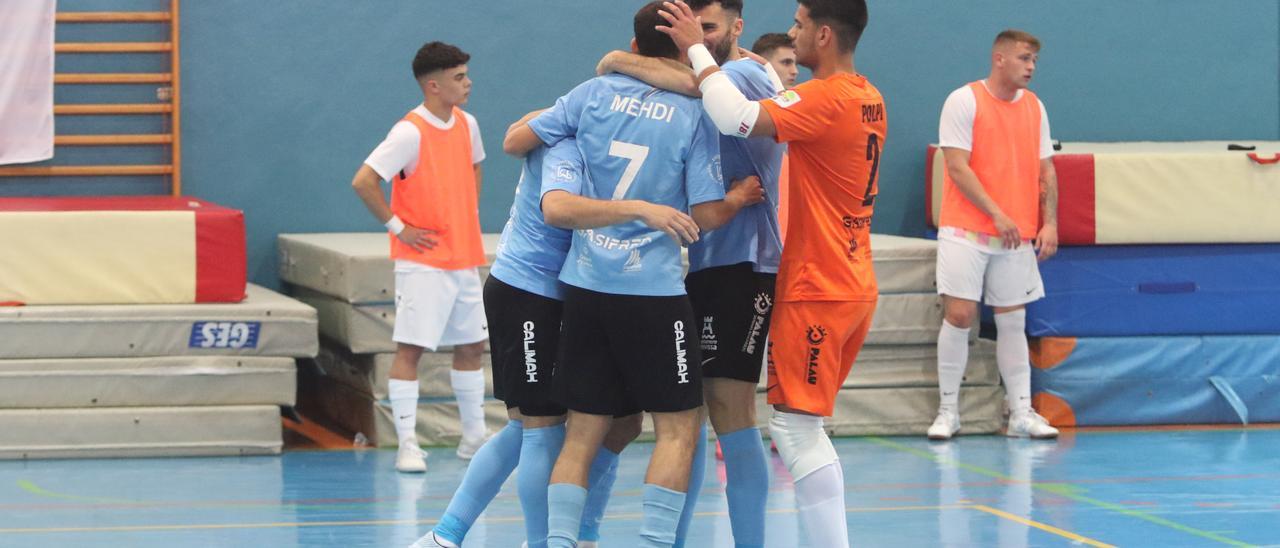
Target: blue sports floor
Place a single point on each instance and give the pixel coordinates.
(1125, 488)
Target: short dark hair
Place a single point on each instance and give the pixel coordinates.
(1014, 35)
(734, 6)
(847, 17)
(433, 56)
(649, 41)
(766, 43)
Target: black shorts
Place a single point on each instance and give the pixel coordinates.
(621, 354)
(524, 335)
(733, 305)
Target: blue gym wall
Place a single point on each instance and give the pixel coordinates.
(283, 99)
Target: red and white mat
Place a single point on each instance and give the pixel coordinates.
(1156, 193)
(120, 250)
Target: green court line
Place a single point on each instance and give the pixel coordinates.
(1064, 490)
(38, 491)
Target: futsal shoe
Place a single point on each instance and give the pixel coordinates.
(1028, 424)
(945, 425)
(429, 541)
(410, 458)
(467, 447)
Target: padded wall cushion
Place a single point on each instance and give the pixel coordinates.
(223, 430)
(354, 267)
(1159, 290)
(120, 250)
(266, 323)
(1145, 192)
(147, 382)
(1157, 380)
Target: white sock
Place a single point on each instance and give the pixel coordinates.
(1014, 359)
(953, 357)
(404, 407)
(820, 499)
(468, 388)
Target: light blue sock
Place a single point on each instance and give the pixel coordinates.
(564, 511)
(697, 474)
(490, 467)
(746, 470)
(604, 470)
(661, 514)
(537, 457)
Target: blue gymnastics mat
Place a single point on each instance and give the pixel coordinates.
(1157, 380)
(1110, 291)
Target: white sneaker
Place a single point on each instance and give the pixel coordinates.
(1028, 424)
(410, 458)
(428, 541)
(467, 447)
(945, 425)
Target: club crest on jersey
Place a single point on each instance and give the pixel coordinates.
(787, 98)
(565, 173)
(713, 169)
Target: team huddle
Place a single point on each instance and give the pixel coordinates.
(591, 318)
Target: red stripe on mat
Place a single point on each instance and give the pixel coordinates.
(1077, 198)
(221, 272)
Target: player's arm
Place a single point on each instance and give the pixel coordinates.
(660, 73)
(520, 138)
(1047, 239)
(967, 181)
(567, 210)
(731, 111)
(714, 214)
(367, 184)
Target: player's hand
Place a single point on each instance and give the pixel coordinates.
(752, 56)
(1007, 230)
(745, 192)
(417, 238)
(675, 223)
(1047, 242)
(685, 29)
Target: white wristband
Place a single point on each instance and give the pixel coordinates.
(395, 225)
(700, 58)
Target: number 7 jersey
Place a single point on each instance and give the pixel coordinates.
(639, 143)
(835, 129)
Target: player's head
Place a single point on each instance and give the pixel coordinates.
(1013, 57)
(441, 70)
(649, 41)
(721, 25)
(833, 26)
(780, 51)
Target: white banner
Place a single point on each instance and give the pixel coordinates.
(26, 80)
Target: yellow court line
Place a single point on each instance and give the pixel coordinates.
(1042, 526)
(510, 519)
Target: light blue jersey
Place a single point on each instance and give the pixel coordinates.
(531, 252)
(639, 143)
(752, 235)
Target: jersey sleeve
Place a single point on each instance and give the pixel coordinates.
(477, 144)
(1046, 140)
(561, 120)
(396, 152)
(955, 128)
(703, 181)
(563, 168)
(803, 112)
